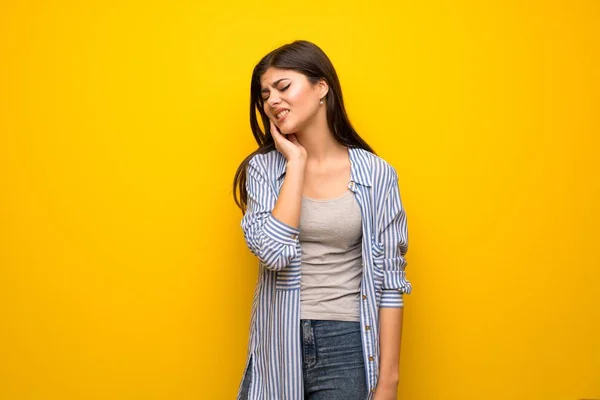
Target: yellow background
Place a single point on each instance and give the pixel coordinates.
(123, 270)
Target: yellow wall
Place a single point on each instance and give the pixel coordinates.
(123, 271)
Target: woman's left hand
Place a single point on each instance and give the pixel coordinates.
(386, 391)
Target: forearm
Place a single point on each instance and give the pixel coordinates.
(288, 204)
(390, 336)
(270, 223)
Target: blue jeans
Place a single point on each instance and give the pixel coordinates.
(332, 361)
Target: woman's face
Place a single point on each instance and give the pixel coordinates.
(291, 92)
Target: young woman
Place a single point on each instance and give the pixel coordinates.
(324, 217)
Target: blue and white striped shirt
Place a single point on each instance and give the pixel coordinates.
(274, 343)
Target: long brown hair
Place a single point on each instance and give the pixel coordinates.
(306, 58)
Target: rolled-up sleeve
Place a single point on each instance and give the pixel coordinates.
(394, 235)
(271, 240)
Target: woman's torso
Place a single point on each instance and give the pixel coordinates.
(331, 238)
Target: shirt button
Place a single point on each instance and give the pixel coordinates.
(367, 327)
(370, 358)
(351, 185)
(364, 296)
(294, 237)
(373, 390)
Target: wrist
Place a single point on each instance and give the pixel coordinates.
(295, 166)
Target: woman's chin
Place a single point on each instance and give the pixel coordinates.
(285, 130)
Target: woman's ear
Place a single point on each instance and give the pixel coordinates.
(323, 88)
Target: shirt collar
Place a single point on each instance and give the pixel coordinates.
(360, 166)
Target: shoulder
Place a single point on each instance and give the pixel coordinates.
(268, 164)
(382, 171)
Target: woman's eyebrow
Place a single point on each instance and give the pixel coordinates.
(273, 84)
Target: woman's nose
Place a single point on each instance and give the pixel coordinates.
(273, 100)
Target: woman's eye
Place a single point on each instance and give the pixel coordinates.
(283, 89)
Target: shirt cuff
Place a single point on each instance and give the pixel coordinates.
(396, 280)
(392, 299)
(280, 231)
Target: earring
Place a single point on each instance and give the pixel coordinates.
(321, 102)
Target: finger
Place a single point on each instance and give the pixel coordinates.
(275, 134)
(274, 130)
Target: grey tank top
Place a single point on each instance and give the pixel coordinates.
(331, 242)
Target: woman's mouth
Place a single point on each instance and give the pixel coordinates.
(281, 116)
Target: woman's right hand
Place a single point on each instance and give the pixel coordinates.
(288, 145)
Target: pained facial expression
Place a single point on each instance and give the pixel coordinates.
(291, 92)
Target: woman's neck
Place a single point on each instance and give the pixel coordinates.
(319, 142)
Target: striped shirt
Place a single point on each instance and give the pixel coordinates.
(274, 344)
